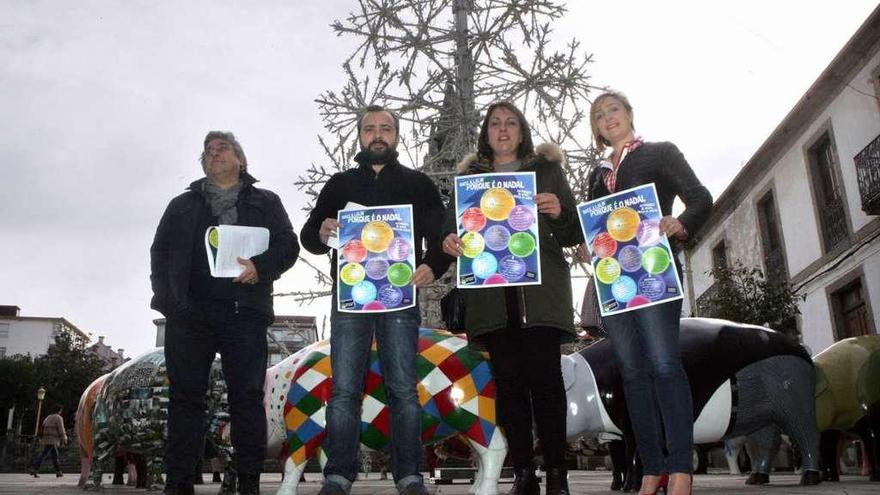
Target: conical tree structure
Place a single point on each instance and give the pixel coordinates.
(439, 63)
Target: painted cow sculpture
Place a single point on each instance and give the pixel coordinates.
(848, 399)
(125, 412)
(85, 427)
(744, 380)
(455, 390)
(85, 436)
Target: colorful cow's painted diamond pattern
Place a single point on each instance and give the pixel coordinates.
(455, 390)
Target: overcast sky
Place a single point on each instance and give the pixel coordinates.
(104, 106)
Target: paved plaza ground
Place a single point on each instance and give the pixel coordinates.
(581, 482)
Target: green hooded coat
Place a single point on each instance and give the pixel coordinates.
(550, 303)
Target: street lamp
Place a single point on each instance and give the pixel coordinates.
(41, 394)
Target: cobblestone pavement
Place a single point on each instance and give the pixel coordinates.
(581, 482)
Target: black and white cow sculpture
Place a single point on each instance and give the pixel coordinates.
(744, 379)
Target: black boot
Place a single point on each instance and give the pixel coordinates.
(525, 483)
(811, 477)
(178, 490)
(230, 482)
(758, 479)
(248, 484)
(557, 482)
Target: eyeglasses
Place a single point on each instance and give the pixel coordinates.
(220, 148)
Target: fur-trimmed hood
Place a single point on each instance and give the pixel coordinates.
(545, 154)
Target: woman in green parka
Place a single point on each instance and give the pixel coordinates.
(522, 327)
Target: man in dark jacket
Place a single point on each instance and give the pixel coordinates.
(205, 315)
(379, 179)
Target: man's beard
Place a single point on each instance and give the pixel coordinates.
(379, 157)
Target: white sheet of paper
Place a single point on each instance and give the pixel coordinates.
(333, 240)
(234, 241)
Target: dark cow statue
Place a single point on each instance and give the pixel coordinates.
(744, 379)
(847, 401)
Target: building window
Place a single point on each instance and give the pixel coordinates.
(4, 330)
(875, 79)
(851, 310)
(2, 352)
(771, 240)
(719, 255)
(828, 192)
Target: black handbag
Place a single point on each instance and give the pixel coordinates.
(452, 310)
(591, 317)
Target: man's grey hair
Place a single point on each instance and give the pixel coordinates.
(229, 138)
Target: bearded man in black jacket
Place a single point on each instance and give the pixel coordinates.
(379, 179)
(205, 315)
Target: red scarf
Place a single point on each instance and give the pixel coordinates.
(611, 176)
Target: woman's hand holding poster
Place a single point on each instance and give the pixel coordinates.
(498, 227)
(633, 265)
(376, 259)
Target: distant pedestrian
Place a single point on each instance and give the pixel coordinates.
(52, 436)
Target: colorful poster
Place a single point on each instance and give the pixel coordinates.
(376, 259)
(633, 265)
(498, 226)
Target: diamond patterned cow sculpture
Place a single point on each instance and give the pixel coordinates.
(455, 389)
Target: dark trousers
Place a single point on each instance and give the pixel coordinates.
(528, 376)
(48, 450)
(239, 335)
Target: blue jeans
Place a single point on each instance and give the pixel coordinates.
(351, 337)
(658, 395)
(48, 451)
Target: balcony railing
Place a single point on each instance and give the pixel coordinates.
(834, 224)
(868, 172)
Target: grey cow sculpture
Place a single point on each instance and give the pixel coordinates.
(744, 379)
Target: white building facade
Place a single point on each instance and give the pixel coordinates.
(806, 207)
(32, 335)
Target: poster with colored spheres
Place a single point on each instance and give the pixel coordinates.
(498, 227)
(376, 259)
(633, 265)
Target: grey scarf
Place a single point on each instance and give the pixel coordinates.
(222, 201)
